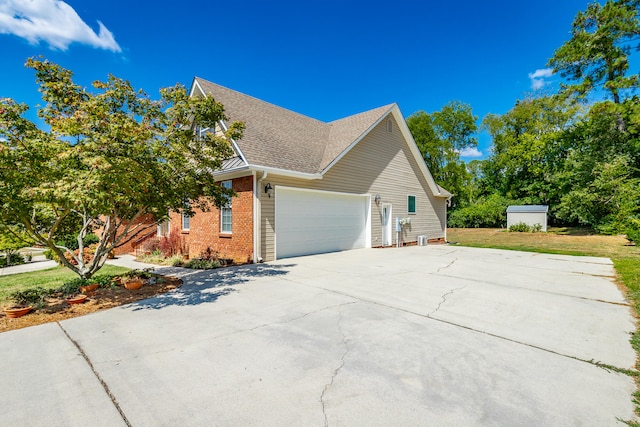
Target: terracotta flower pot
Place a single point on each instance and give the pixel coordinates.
(88, 289)
(15, 312)
(78, 299)
(133, 284)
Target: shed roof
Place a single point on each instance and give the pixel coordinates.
(528, 208)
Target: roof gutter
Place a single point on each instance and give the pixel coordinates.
(285, 172)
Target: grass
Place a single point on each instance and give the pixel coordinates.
(569, 241)
(48, 279)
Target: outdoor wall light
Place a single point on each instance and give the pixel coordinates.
(268, 189)
(377, 199)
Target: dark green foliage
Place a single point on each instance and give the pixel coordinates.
(202, 264)
(584, 162)
(141, 274)
(634, 235)
(73, 286)
(71, 242)
(597, 55)
(441, 136)
(48, 254)
(520, 227)
(34, 297)
(490, 211)
(105, 155)
(14, 258)
(37, 296)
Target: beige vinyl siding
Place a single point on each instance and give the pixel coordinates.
(381, 163)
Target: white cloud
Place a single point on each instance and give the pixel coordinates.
(538, 78)
(470, 152)
(53, 22)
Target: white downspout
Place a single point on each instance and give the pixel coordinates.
(257, 217)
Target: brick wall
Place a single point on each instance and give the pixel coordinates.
(204, 231)
(130, 247)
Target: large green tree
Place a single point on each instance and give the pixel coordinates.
(108, 158)
(441, 136)
(601, 174)
(529, 148)
(597, 55)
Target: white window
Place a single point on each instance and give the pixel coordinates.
(225, 212)
(163, 228)
(186, 221)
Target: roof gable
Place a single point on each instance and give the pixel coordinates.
(284, 140)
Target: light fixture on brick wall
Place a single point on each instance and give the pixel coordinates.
(268, 189)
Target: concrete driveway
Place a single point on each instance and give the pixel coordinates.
(437, 336)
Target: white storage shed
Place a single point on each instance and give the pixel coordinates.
(528, 214)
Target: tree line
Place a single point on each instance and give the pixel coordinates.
(577, 150)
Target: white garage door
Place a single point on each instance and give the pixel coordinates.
(313, 222)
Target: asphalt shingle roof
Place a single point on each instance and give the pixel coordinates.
(279, 138)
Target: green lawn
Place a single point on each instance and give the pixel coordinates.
(48, 279)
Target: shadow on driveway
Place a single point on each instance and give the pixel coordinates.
(204, 286)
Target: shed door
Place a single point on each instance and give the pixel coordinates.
(312, 222)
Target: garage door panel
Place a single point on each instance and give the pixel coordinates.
(309, 222)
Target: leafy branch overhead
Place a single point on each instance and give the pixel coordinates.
(597, 55)
(110, 158)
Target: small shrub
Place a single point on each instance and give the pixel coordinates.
(634, 236)
(173, 244)
(35, 297)
(520, 227)
(152, 258)
(141, 274)
(71, 241)
(209, 254)
(13, 259)
(91, 239)
(151, 245)
(202, 264)
(72, 286)
(49, 254)
(536, 228)
(175, 260)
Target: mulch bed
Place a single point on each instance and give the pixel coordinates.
(101, 299)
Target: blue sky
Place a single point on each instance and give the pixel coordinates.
(326, 60)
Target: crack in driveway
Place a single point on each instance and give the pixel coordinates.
(97, 375)
(448, 322)
(444, 299)
(337, 370)
(448, 265)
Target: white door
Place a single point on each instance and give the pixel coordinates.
(386, 224)
(312, 222)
